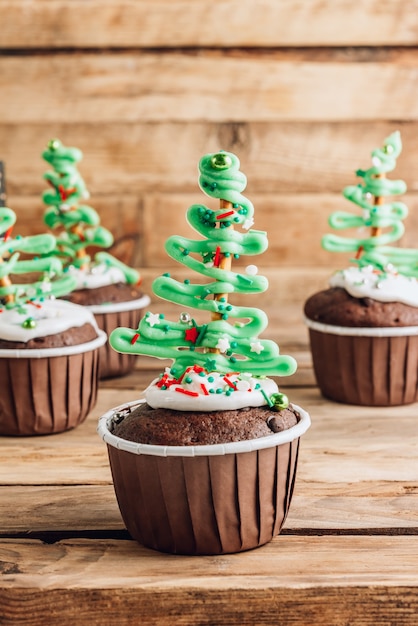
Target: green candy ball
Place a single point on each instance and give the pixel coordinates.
(221, 161)
(54, 144)
(280, 400)
(29, 323)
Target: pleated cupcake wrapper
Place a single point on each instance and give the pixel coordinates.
(48, 394)
(373, 368)
(109, 317)
(211, 499)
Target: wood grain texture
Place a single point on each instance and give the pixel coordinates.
(163, 23)
(211, 85)
(129, 159)
(270, 584)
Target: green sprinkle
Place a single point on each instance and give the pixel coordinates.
(267, 399)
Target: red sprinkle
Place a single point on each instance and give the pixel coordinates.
(191, 334)
(220, 217)
(134, 338)
(217, 257)
(38, 306)
(205, 391)
(359, 251)
(162, 381)
(7, 233)
(65, 193)
(228, 382)
(186, 391)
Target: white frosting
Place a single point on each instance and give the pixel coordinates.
(366, 283)
(50, 317)
(210, 392)
(98, 275)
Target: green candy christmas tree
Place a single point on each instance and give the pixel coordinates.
(383, 217)
(52, 283)
(223, 355)
(78, 224)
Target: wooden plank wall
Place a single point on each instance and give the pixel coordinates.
(300, 90)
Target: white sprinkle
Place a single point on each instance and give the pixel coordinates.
(251, 270)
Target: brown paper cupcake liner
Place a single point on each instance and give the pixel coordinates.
(47, 395)
(112, 363)
(366, 370)
(209, 503)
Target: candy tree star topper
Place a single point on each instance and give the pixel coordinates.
(229, 341)
(13, 295)
(79, 223)
(382, 216)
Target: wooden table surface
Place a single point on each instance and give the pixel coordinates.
(348, 553)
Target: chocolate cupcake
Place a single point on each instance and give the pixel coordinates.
(49, 349)
(206, 464)
(364, 328)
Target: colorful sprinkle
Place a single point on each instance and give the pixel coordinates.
(227, 214)
(267, 399)
(186, 392)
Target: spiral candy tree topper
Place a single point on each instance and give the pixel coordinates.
(383, 217)
(79, 223)
(227, 347)
(18, 296)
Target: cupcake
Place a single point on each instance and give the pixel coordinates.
(206, 462)
(49, 348)
(364, 328)
(109, 288)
